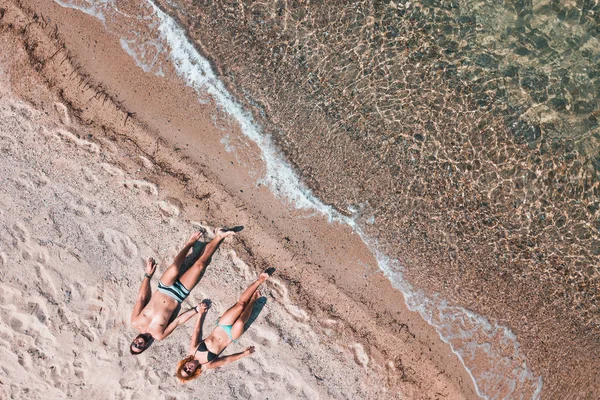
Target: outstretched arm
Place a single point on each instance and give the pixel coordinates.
(181, 319)
(145, 292)
(197, 335)
(219, 362)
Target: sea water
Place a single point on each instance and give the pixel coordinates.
(461, 143)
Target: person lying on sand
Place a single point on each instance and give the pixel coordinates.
(153, 315)
(205, 354)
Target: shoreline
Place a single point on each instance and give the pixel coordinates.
(302, 246)
(449, 201)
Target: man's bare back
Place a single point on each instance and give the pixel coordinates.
(155, 315)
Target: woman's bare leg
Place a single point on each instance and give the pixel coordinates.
(238, 326)
(191, 277)
(229, 316)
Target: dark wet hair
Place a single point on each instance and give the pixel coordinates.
(146, 337)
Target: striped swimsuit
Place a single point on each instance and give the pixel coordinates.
(176, 291)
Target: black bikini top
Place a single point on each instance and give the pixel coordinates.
(210, 356)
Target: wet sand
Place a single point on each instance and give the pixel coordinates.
(107, 165)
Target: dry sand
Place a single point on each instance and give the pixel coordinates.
(103, 166)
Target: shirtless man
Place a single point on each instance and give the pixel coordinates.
(153, 313)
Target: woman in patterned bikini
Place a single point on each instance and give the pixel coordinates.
(206, 354)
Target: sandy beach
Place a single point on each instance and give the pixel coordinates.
(104, 165)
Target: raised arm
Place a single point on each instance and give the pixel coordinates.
(219, 362)
(181, 319)
(197, 334)
(145, 291)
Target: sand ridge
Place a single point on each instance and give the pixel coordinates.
(113, 201)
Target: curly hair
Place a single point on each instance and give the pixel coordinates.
(179, 372)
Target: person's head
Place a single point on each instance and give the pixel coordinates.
(188, 369)
(140, 344)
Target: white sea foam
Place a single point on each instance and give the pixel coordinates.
(89, 7)
(145, 55)
(489, 352)
(198, 74)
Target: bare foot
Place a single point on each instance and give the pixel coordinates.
(195, 237)
(223, 233)
(266, 274)
(255, 296)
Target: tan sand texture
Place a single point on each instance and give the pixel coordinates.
(90, 189)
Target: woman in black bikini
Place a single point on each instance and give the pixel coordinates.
(205, 354)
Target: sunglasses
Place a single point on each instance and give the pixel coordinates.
(189, 370)
(139, 346)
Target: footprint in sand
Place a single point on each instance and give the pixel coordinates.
(108, 146)
(63, 113)
(78, 365)
(27, 318)
(112, 170)
(267, 336)
(240, 265)
(119, 243)
(143, 185)
(38, 310)
(22, 240)
(299, 314)
(74, 324)
(47, 287)
(146, 162)
(23, 110)
(32, 182)
(7, 144)
(171, 207)
(71, 137)
(140, 184)
(360, 355)
(329, 326)
(78, 204)
(21, 234)
(16, 325)
(152, 377)
(42, 255)
(89, 175)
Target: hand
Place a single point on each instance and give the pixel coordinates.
(150, 266)
(195, 237)
(201, 308)
(249, 350)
